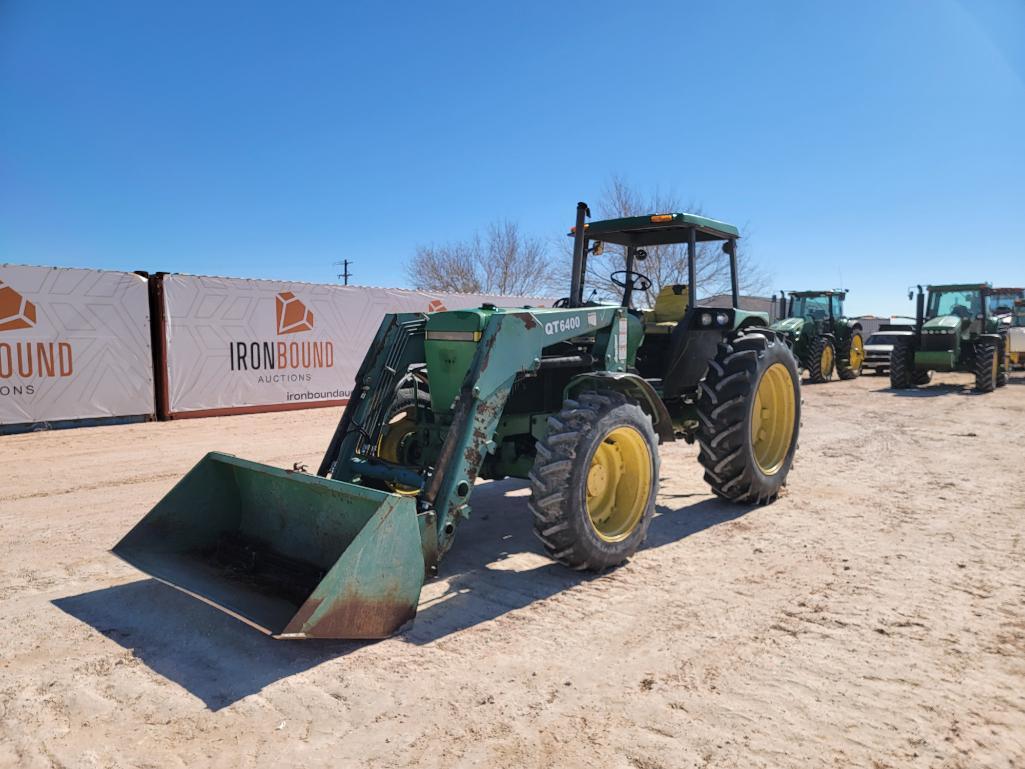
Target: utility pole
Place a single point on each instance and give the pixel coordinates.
(344, 275)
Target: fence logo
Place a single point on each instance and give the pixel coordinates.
(436, 305)
(24, 361)
(293, 316)
(277, 357)
(15, 310)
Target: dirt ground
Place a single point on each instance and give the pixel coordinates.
(873, 617)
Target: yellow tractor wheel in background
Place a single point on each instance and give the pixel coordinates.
(850, 367)
(821, 360)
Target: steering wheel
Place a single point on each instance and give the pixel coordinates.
(637, 281)
(560, 303)
(960, 311)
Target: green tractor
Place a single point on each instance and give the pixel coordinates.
(824, 340)
(954, 331)
(575, 398)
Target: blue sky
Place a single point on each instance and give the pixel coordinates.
(881, 143)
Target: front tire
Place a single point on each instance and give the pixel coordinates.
(853, 357)
(821, 360)
(987, 367)
(902, 365)
(594, 481)
(399, 440)
(749, 411)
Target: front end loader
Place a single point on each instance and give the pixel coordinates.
(954, 331)
(576, 399)
(823, 339)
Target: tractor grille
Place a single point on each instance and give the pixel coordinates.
(938, 342)
(384, 389)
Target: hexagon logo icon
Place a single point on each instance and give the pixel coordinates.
(436, 305)
(293, 316)
(15, 310)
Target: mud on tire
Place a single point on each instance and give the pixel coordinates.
(559, 480)
(726, 409)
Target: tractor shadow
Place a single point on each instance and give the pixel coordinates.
(933, 391)
(221, 660)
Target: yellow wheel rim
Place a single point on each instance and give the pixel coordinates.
(826, 362)
(619, 484)
(394, 442)
(857, 352)
(773, 418)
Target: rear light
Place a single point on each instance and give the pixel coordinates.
(662, 218)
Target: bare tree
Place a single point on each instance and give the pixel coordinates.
(666, 264)
(504, 261)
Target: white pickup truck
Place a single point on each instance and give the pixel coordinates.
(880, 344)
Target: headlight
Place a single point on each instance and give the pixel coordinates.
(722, 319)
(706, 319)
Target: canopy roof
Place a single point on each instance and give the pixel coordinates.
(960, 287)
(659, 229)
(1006, 291)
(840, 292)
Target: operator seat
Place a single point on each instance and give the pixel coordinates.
(670, 307)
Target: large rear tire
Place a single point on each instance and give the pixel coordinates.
(594, 481)
(749, 411)
(902, 365)
(853, 357)
(821, 360)
(987, 367)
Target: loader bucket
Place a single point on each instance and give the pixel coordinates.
(294, 555)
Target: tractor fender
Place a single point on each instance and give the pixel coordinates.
(989, 339)
(854, 325)
(633, 386)
(753, 322)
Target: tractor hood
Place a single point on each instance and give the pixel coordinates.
(789, 326)
(949, 323)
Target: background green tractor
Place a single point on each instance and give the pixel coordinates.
(576, 399)
(823, 339)
(954, 331)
